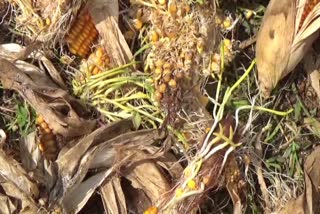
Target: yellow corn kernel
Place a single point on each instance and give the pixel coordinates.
(151, 210)
(99, 52)
(44, 125)
(162, 2)
(137, 23)
(227, 23)
(81, 35)
(172, 7)
(39, 119)
(179, 192)
(158, 71)
(192, 184)
(154, 36)
(95, 71)
(248, 14)
(172, 83)
(227, 43)
(48, 21)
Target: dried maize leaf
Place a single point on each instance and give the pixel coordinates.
(113, 196)
(274, 42)
(284, 38)
(12, 172)
(26, 204)
(6, 205)
(76, 199)
(29, 152)
(63, 113)
(74, 163)
(147, 176)
(105, 15)
(13, 51)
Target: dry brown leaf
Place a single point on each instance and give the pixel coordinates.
(312, 65)
(113, 197)
(105, 16)
(17, 53)
(309, 201)
(74, 164)
(26, 203)
(75, 200)
(282, 42)
(11, 170)
(63, 113)
(38, 168)
(146, 175)
(29, 152)
(274, 43)
(6, 205)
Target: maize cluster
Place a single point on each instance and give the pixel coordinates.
(47, 144)
(82, 35)
(180, 52)
(310, 4)
(96, 62)
(165, 78)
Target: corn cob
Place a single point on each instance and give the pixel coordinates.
(47, 144)
(82, 35)
(307, 9)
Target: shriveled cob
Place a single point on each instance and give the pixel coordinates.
(82, 35)
(47, 144)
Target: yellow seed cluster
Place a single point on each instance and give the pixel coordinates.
(47, 144)
(192, 185)
(223, 22)
(307, 9)
(164, 78)
(96, 62)
(82, 35)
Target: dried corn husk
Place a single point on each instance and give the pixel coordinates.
(283, 40)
